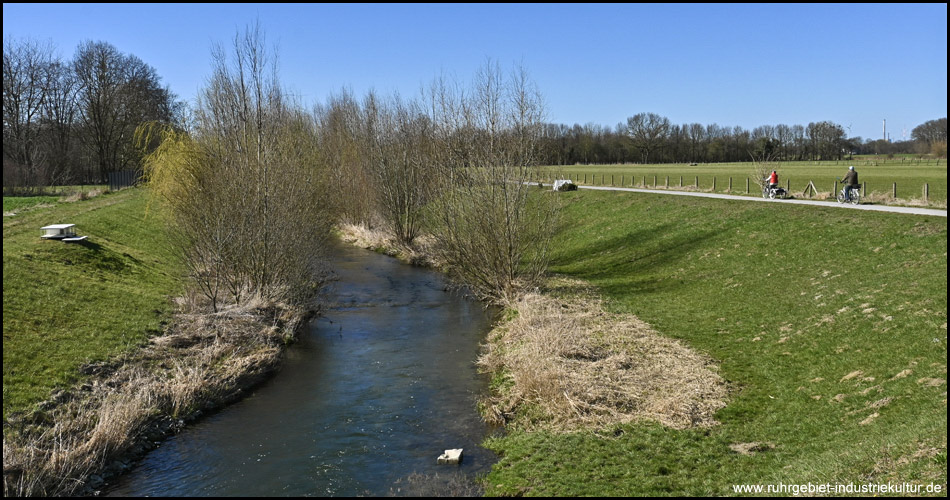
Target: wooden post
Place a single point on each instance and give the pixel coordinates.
(611, 179)
(681, 181)
(926, 191)
(746, 185)
(696, 184)
(730, 184)
(894, 191)
(714, 184)
(621, 181)
(667, 185)
(788, 186)
(654, 182)
(834, 192)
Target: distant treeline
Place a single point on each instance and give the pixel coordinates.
(73, 121)
(650, 138)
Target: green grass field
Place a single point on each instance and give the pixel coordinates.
(16, 204)
(879, 176)
(829, 324)
(69, 304)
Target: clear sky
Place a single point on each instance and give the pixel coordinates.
(729, 64)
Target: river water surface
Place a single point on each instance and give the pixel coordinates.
(374, 392)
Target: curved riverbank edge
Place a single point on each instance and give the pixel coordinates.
(561, 363)
(73, 443)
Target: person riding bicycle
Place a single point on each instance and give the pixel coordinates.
(850, 181)
(773, 180)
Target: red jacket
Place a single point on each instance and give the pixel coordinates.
(773, 179)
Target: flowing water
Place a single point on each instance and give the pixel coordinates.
(379, 387)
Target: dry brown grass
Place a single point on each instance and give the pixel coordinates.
(886, 198)
(204, 361)
(568, 365)
(83, 195)
(376, 238)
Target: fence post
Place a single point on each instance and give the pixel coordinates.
(696, 183)
(681, 181)
(611, 179)
(714, 184)
(667, 186)
(834, 192)
(926, 191)
(788, 186)
(730, 184)
(621, 181)
(746, 185)
(654, 182)
(894, 191)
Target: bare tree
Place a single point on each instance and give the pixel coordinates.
(118, 92)
(493, 231)
(58, 119)
(25, 63)
(339, 127)
(399, 155)
(649, 132)
(247, 189)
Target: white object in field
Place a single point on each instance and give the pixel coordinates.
(59, 231)
(564, 185)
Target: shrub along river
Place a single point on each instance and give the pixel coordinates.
(381, 385)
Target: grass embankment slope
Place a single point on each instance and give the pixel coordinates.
(829, 324)
(69, 304)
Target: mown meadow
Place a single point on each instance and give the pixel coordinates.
(65, 304)
(879, 177)
(829, 325)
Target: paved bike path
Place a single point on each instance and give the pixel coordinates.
(877, 208)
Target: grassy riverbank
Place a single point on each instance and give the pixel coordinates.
(828, 324)
(69, 304)
(98, 363)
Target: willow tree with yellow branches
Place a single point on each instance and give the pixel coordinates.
(245, 188)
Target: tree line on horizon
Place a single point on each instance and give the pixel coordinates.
(73, 121)
(651, 138)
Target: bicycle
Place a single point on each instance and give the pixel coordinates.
(772, 193)
(854, 198)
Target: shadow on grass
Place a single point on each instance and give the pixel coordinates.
(636, 262)
(89, 255)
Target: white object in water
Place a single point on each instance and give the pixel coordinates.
(451, 456)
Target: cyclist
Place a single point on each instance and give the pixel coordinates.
(773, 180)
(851, 182)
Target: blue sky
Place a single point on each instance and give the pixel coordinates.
(730, 64)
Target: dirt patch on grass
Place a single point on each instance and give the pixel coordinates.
(749, 449)
(564, 364)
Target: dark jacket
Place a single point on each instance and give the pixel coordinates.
(851, 178)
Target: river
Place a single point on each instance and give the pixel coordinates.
(381, 384)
